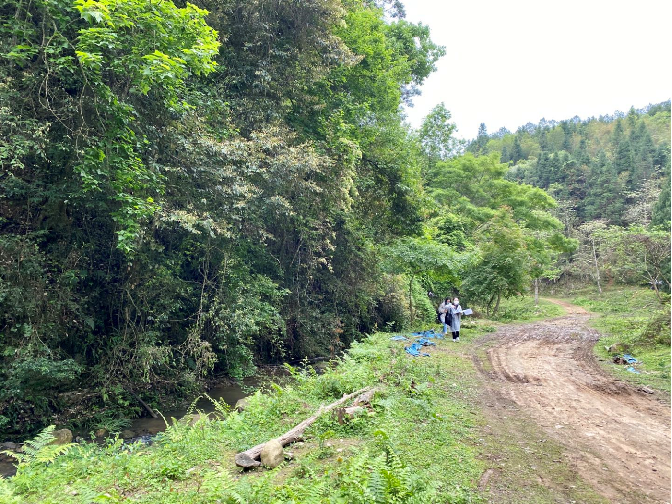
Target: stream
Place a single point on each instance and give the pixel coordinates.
(144, 428)
(229, 393)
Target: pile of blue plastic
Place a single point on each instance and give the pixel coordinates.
(630, 360)
(422, 339)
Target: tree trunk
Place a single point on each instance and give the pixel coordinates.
(249, 458)
(497, 305)
(597, 269)
(536, 292)
(149, 410)
(489, 305)
(410, 297)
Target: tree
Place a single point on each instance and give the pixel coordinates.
(502, 270)
(478, 146)
(660, 214)
(544, 247)
(436, 136)
(413, 257)
(517, 151)
(590, 239)
(636, 254)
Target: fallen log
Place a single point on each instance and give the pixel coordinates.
(348, 413)
(149, 410)
(364, 398)
(249, 458)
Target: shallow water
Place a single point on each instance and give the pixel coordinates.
(230, 393)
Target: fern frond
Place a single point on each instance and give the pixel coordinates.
(18, 456)
(49, 453)
(235, 497)
(192, 406)
(6, 494)
(314, 494)
(32, 447)
(221, 407)
(377, 487)
(40, 450)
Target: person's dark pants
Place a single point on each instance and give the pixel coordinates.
(456, 334)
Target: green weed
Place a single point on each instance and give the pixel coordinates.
(633, 321)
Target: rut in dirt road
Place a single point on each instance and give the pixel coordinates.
(616, 437)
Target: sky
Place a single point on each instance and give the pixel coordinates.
(512, 62)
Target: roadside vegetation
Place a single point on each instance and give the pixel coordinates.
(415, 444)
(424, 437)
(420, 441)
(636, 322)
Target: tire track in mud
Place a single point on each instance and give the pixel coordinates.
(615, 437)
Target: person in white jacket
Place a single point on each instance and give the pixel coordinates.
(456, 316)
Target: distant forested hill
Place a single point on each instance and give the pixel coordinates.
(615, 167)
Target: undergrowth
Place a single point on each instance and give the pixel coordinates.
(413, 445)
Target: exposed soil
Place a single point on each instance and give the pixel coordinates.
(614, 439)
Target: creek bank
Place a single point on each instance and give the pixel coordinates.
(144, 429)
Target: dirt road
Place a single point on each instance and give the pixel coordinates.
(615, 439)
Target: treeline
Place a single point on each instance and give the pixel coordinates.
(611, 179)
(188, 192)
(613, 168)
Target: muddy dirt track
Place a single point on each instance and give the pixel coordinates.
(615, 437)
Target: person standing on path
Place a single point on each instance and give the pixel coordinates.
(444, 311)
(455, 312)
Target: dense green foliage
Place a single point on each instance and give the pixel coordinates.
(189, 190)
(611, 179)
(612, 168)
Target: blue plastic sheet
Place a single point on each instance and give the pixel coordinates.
(399, 338)
(425, 342)
(629, 359)
(414, 350)
(428, 334)
(633, 370)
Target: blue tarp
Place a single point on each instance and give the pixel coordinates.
(425, 342)
(428, 334)
(414, 350)
(629, 359)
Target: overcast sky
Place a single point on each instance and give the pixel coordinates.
(513, 62)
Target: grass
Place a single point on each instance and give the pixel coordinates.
(522, 309)
(416, 444)
(632, 320)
